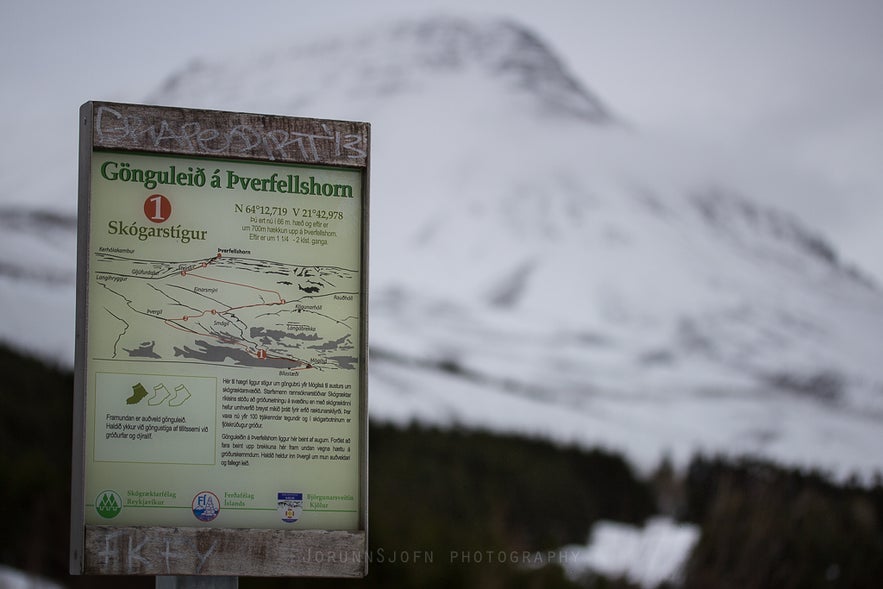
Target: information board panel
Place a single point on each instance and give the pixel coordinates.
(221, 344)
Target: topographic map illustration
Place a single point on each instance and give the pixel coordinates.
(235, 311)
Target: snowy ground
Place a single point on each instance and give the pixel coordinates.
(647, 556)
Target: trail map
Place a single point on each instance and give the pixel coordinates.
(230, 310)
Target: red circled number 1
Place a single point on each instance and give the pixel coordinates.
(157, 208)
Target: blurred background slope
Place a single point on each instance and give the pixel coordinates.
(544, 265)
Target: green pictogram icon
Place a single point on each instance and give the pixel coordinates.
(108, 504)
(161, 394)
(139, 392)
(181, 395)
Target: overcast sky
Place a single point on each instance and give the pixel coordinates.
(789, 92)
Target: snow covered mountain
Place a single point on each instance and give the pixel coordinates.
(539, 266)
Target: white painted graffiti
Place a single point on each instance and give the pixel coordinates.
(114, 128)
(120, 553)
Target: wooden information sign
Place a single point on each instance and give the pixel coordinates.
(220, 420)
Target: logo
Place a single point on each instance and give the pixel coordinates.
(290, 506)
(157, 208)
(206, 506)
(108, 504)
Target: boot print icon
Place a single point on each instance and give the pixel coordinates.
(138, 393)
(181, 396)
(160, 395)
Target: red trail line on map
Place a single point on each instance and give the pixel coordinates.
(240, 342)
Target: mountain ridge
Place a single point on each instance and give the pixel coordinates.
(396, 58)
(538, 267)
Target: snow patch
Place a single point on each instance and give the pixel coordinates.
(647, 556)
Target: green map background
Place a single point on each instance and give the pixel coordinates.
(214, 210)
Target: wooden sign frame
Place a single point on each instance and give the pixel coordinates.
(211, 148)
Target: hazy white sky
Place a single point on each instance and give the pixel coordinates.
(789, 93)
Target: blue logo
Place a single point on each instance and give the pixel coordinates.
(290, 506)
(206, 506)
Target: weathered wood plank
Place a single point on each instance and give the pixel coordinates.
(235, 135)
(224, 552)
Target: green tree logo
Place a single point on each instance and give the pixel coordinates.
(108, 504)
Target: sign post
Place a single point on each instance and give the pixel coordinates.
(220, 420)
